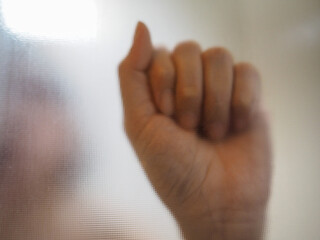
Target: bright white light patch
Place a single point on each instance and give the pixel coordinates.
(51, 19)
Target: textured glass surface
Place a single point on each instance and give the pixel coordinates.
(66, 167)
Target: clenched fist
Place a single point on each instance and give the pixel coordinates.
(195, 123)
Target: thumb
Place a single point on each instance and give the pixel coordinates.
(136, 95)
(140, 53)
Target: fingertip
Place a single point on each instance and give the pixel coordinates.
(141, 29)
(141, 50)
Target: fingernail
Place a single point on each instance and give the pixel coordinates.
(217, 131)
(167, 102)
(188, 120)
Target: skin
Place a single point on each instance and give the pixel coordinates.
(196, 124)
(194, 119)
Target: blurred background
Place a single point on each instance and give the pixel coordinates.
(83, 42)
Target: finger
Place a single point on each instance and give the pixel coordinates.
(246, 95)
(137, 100)
(187, 59)
(218, 80)
(162, 81)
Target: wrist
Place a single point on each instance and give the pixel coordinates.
(232, 225)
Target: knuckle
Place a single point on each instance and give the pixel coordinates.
(163, 73)
(218, 54)
(247, 69)
(187, 47)
(161, 52)
(244, 66)
(191, 75)
(247, 82)
(190, 94)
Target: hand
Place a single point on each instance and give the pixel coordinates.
(195, 122)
